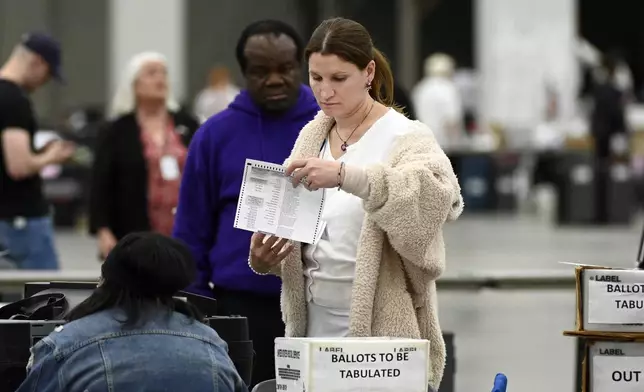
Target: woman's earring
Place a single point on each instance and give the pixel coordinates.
(368, 86)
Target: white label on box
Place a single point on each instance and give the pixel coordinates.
(618, 374)
(615, 302)
(369, 366)
(290, 363)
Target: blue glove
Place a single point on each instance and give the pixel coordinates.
(500, 383)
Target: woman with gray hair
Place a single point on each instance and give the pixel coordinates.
(139, 156)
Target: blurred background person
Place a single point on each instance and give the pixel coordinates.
(620, 75)
(217, 96)
(593, 63)
(437, 100)
(467, 84)
(262, 123)
(608, 128)
(623, 75)
(548, 134)
(131, 334)
(26, 232)
(140, 156)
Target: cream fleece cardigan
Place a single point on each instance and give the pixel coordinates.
(401, 251)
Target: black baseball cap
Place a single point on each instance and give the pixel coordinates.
(48, 48)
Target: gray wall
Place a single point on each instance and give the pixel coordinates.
(81, 27)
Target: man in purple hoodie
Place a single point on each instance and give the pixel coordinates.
(262, 123)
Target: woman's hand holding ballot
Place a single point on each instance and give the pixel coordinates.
(267, 252)
(316, 173)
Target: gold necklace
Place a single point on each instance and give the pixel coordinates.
(345, 145)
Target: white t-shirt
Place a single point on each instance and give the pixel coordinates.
(329, 266)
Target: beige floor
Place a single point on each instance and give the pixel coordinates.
(517, 332)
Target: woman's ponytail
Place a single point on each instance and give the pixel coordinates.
(382, 86)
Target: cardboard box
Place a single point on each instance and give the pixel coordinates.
(609, 300)
(614, 366)
(637, 143)
(351, 364)
(579, 143)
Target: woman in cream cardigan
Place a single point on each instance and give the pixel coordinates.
(389, 190)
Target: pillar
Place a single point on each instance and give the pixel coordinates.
(147, 25)
(407, 42)
(522, 47)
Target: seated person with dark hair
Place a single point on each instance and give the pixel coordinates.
(131, 334)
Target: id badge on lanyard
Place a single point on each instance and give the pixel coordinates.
(168, 163)
(169, 168)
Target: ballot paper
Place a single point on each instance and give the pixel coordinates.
(268, 203)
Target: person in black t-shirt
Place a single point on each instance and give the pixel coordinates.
(25, 226)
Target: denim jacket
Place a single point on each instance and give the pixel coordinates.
(167, 353)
